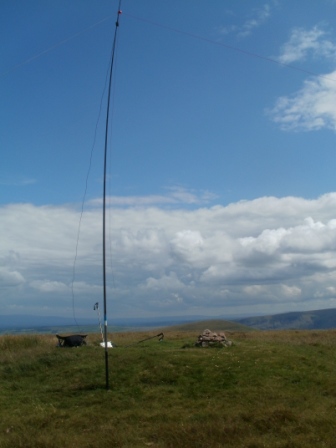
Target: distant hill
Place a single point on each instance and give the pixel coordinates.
(29, 321)
(306, 320)
(53, 324)
(23, 322)
(216, 325)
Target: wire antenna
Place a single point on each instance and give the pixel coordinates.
(84, 198)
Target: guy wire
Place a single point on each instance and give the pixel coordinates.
(85, 192)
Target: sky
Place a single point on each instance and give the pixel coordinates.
(221, 189)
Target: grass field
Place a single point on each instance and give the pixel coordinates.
(270, 389)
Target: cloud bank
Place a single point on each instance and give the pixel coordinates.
(262, 256)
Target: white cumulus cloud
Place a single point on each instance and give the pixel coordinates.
(311, 108)
(260, 16)
(303, 43)
(9, 278)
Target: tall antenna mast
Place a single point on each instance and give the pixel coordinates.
(104, 194)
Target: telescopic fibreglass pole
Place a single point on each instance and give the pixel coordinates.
(104, 196)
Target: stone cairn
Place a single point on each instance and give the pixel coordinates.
(209, 338)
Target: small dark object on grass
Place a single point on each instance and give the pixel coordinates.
(75, 340)
(160, 336)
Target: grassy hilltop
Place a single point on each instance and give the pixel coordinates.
(270, 389)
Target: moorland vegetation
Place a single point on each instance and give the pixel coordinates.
(269, 389)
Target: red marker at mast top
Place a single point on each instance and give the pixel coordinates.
(119, 12)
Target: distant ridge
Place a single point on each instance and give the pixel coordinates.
(306, 320)
(216, 325)
(17, 321)
(29, 321)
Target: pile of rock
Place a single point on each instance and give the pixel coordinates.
(209, 338)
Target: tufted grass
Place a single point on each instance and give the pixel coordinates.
(270, 389)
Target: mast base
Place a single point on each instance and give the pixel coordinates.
(109, 344)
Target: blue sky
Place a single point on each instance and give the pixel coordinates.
(221, 156)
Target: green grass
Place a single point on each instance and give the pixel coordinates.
(270, 389)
